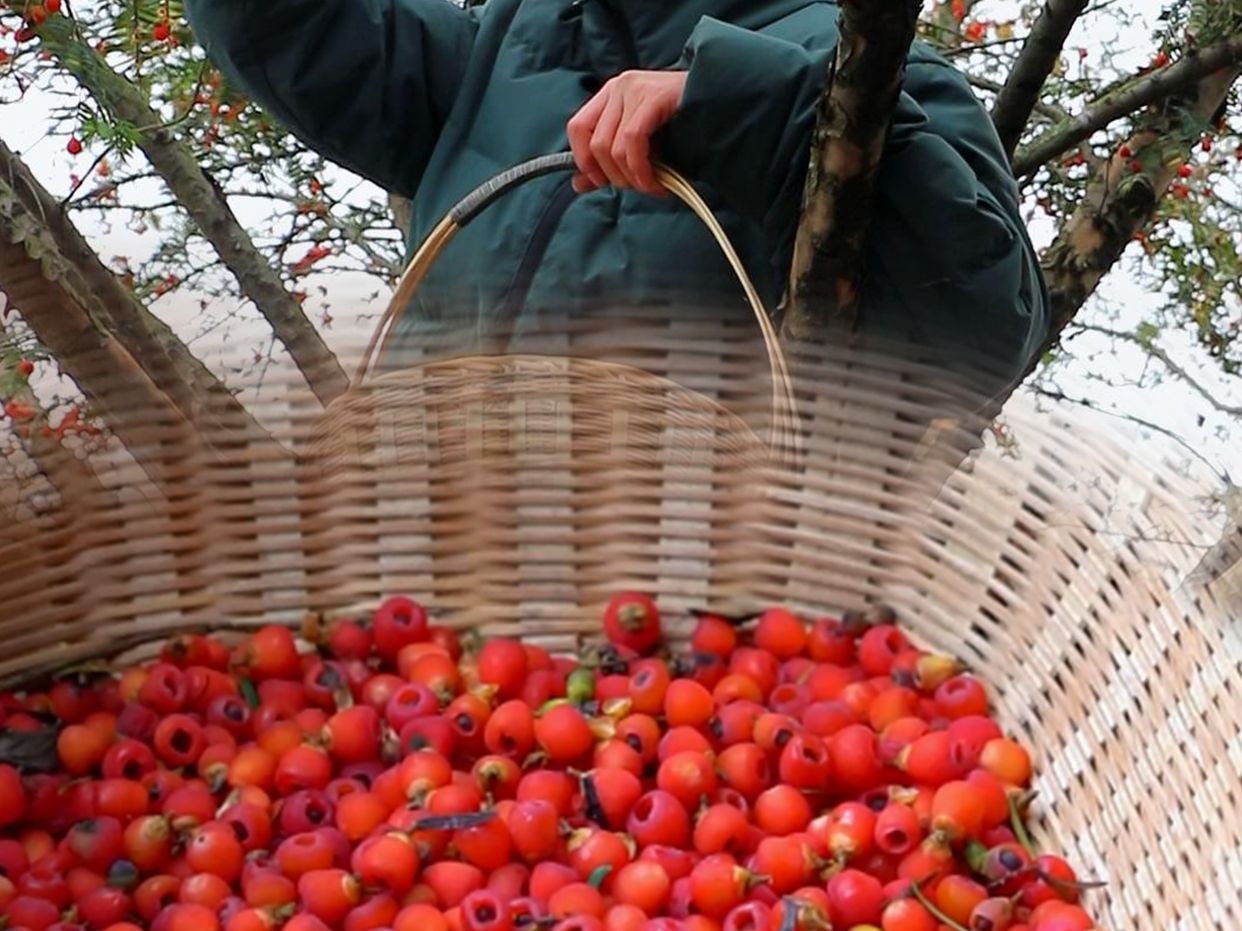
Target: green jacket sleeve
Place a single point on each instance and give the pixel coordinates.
(368, 83)
(947, 241)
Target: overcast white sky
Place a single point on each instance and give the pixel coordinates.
(1171, 405)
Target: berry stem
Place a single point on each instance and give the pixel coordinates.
(1020, 830)
(933, 910)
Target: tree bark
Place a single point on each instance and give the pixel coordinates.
(852, 125)
(203, 201)
(1019, 97)
(402, 212)
(199, 395)
(1120, 201)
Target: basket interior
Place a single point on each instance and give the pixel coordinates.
(1056, 572)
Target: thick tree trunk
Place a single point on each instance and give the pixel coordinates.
(203, 201)
(851, 128)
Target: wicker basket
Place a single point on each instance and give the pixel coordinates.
(518, 518)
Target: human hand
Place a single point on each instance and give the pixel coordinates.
(611, 135)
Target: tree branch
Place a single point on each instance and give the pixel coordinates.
(198, 394)
(1197, 65)
(1121, 198)
(852, 125)
(51, 298)
(1053, 394)
(401, 212)
(1020, 95)
(206, 205)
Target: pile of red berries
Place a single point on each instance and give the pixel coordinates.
(779, 776)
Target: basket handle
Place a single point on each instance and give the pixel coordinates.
(783, 438)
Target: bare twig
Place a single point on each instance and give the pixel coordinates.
(1174, 368)
(1044, 109)
(1053, 394)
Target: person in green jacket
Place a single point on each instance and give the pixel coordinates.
(428, 99)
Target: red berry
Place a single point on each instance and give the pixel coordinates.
(780, 633)
(272, 653)
(353, 735)
(855, 898)
(563, 734)
(782, 810)
(632, 620)
(713, 634)
(957, 811)
(898, 829)
(483, 910)
(179, 740)
(855, 761)
(214, 848)
(962, 696)
(879, 647)
(504, 664)
(642, 884)
(328, 894)
(12, 796)
(659, 818)
(349, 640)
(718, 885)
(398, 622)
(534, 827)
